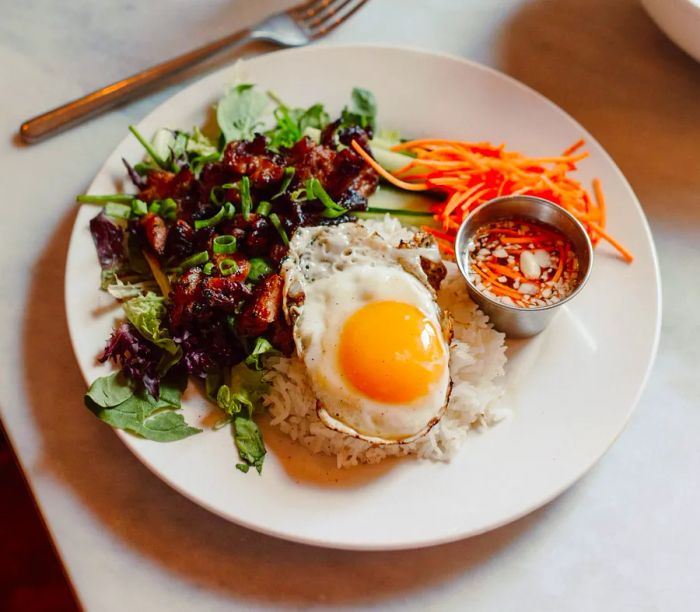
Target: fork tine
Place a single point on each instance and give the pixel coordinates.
(326, 27)
(307, 10)
(332, 8)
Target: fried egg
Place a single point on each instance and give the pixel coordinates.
(369, 331)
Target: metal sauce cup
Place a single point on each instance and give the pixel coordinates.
(519, 322)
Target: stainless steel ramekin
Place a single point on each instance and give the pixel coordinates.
(514, 321)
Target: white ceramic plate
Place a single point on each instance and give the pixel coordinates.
(571, 389)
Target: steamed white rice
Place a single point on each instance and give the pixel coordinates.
(477, 360)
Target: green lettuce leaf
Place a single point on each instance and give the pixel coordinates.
(239, 113)
(362, 110)
(250, 444)
(292, 122)
(239, 400)
(262, 347)
(146, 313)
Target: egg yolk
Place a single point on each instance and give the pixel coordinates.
(390, 352)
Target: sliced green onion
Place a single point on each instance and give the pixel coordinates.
(229, 186)
(103, 199)
(149, 149)
(211, 221)
(309, 187)
(289, 172)
(214, 195)
(138, 207)
(195, 260)
(198, 162)
(399, 211)
(297, 194)
(264, 208)
(258, 268)
(275, 220)
(225, 244)
(168, 209)
(117, 211)
(246, 200)
(208, 268)
(154, 207)
(229, 210)
(228, 266)
(332, 209)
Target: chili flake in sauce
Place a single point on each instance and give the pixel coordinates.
(522, 262)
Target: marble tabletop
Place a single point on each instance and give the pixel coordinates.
(626, 537)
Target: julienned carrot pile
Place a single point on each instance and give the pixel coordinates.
(470, 174)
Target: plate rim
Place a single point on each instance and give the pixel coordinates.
(421, 542)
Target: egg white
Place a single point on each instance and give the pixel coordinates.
(332, 273)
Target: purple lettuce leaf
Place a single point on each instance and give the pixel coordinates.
(138, 358)
(108, 237)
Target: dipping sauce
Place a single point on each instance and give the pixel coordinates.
(521, 262)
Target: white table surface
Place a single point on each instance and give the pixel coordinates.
(627, 537)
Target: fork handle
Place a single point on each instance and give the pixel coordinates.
(98, 101)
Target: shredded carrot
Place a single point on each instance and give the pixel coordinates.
(600, 199)
(505, 270)
(497, 287)
(468, 174)
(438, 234)
(563, 256)
(386, 175)
(605, 236)
(574, 147)
(158, 274)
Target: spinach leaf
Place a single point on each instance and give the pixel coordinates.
(262, 347)
(109, 390)
(250, 444)
(239, 112)
(140, 413)
(145, 313)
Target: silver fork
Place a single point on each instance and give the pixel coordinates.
(295, 27)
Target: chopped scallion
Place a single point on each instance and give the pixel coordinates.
(332, 209)
(258, 268)
(227, 267)
(168, 209)
(149, 149)
(246, 200)
(225, 244)
(286, 181)
(138, 207)
(264, 208)
(211, 221)
(309, 187)
(117, 211)
(124, 198)
(275, 220)
(195, 260)
(208, 268)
